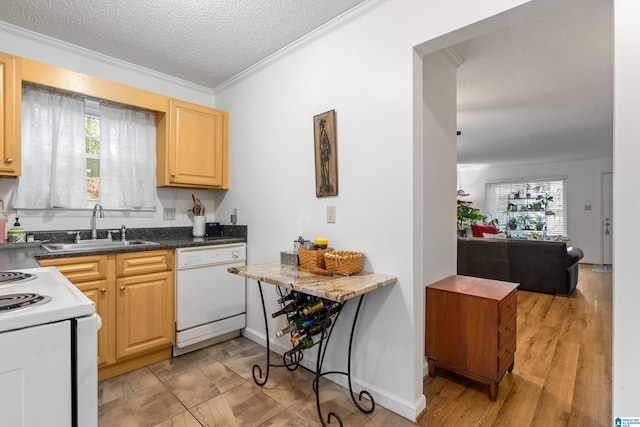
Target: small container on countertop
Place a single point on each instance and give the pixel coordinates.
(16, 234)
(321, 243)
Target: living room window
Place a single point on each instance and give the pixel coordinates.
(543, 199)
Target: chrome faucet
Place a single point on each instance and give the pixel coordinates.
(94, 232)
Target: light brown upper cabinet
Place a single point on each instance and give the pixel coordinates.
(10, 100)
(193, 146)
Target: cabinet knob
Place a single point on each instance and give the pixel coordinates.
(122, 288)
(173, 174)
(9, 160)
(103, 290)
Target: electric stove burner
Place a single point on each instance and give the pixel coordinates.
(13, 302)
(11, 277)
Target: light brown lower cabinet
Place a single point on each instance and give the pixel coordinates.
(134, 296)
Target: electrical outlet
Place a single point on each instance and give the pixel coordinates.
(169, 214)
(331, 214)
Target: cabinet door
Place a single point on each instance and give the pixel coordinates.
(198, 146)
(97, 291)
(10, 108)
(145, 313)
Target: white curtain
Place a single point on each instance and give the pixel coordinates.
(53, 150)
(127, 158)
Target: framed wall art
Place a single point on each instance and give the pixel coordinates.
(326, 154)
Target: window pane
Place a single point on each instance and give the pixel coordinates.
(92, 126)
(93, 179)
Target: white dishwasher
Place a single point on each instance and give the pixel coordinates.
(210, 302)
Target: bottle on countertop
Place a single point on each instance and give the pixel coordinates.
(16, 233)
(3, 223)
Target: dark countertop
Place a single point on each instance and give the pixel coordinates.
(15, 256)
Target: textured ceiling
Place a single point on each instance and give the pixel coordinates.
(202, 41)
(540, 91)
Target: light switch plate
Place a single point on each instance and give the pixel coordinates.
(169, 214)
(331, 214)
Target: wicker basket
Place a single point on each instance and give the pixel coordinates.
(344, 262)
(311, 259)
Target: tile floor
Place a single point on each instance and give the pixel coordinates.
(214, 387)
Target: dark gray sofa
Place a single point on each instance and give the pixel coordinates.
(540, 266)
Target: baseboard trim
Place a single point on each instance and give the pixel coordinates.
(390, 401)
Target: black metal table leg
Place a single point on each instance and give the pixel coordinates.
(266, 333)
(362, 392)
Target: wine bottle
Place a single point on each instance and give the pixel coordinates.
(305, 342)
(289, 328)
(313, 307)
(311, 330)
(317, 327)
(289, 308)
(288, 297)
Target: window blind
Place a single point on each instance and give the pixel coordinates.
(498, 194)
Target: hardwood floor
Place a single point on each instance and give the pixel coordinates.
(562, 373)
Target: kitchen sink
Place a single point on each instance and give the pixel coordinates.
(88, 245)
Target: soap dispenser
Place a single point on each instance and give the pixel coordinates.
(16, 233)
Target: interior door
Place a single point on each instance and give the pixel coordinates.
(607, 218)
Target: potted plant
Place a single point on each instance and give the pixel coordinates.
(538, 222)
(525, 222)
(467, 215)
(544, 200)
(512, 224)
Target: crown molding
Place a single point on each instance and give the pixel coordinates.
(315, 35)
(90, 54)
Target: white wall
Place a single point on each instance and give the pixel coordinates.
(583, 188)
(40, 48)
(365, 71)
(626, 245)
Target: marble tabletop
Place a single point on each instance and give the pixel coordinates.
(334, 288)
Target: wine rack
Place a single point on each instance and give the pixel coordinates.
(306, 296)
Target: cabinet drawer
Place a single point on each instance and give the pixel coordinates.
(506, 356)
(508, 308)
(80, 269)
(134, 263)
(507, 332)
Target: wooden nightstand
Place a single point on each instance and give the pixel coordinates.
(470, 328)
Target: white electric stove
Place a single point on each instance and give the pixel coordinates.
(48, 363)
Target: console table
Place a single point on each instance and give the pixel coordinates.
(470, 328)
(338, 289)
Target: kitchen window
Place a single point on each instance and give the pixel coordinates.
(78, 151)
